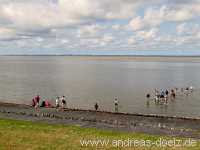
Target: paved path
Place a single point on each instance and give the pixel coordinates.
(151, 124)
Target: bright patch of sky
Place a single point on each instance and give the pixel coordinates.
(125, 27)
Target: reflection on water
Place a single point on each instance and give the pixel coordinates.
(87, 81)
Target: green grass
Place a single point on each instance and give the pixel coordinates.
(24, 135)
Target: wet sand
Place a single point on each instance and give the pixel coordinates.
(140, 123)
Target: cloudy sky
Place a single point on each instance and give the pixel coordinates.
(66, 26)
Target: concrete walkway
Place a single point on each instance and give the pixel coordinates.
(150, 124)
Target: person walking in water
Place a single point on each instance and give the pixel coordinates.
(96, 106)
(166, 96)
(148, 98)
(162, 94)
(173, 94)
(166, 92)
(116, 105)
(191, 89)
(157, 96)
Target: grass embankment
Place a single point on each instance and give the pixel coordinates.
(22, 135)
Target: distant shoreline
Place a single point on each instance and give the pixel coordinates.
(127, 58)
(108, 55)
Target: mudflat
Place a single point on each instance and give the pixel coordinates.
(140, 58)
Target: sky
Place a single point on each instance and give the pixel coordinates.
(100, 27)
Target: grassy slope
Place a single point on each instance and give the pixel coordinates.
(23, 135)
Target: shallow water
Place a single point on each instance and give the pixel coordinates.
(86, 80)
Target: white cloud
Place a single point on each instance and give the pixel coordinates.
(89, 31)
(137, 23)
(188, 33)
(32, 15)
(131, 41)
(116, 27)
(192, 6)
(7, 33)
(100, 41)
(39, 39)
(48, 14)
(147, 35)
(99, 24)
(155, 16)
(64, 41)
(181, 28)
(107, 38)
(188, 29)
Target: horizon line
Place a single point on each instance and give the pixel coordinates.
(121, 55)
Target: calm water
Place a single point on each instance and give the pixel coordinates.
(85, 80)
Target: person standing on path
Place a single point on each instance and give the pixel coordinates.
(63, 102)
(116, 105)
(57, 102)
(37, 100)
(96, 106)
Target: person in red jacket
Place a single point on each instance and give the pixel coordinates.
(33, 103)
(47, 103)
(37, 100)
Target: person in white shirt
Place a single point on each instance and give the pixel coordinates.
(63, 102)
(57, 102)
(191, 89)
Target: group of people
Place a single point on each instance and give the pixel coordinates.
(160, 97)
(60, 102)
(36, 101)
(164, 95)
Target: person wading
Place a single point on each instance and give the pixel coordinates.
(148, 98)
